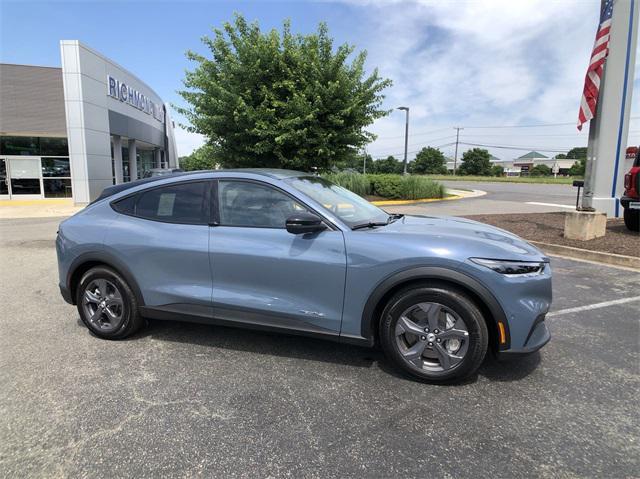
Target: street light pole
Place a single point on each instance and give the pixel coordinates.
(455, 157)
(406, 137)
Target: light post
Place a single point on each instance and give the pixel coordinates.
(406, 137)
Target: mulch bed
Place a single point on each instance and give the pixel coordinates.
(549, 228)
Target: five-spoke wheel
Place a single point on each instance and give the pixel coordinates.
(432, 336)
(436, 333)
(106, 304)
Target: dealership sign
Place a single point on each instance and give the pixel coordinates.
(127, 94)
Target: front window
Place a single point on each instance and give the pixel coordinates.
(248, 204)
(349, 207)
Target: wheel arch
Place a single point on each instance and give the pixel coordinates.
(484, 299)
(85, 262)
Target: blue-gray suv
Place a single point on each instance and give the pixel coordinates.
(286, 251)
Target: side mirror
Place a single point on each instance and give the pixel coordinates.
(304, 222)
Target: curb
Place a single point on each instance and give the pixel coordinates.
(414, 202)
(588, 255)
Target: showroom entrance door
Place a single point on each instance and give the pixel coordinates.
(23, 178)
(4, 180)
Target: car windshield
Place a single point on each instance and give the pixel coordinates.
(349, 207)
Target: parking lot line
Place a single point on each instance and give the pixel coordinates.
(594, 306)
(571, 207)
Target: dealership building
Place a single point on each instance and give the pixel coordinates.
(70, 132)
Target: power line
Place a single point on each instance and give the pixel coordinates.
(517, 147)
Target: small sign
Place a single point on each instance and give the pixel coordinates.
(632, 151)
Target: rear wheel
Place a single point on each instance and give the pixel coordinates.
(434, 333)
(107, 305)
(632, 219)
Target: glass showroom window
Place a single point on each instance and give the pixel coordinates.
(56, 177)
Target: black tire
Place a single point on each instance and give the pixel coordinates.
(454, 301)
(129, 320)
(632, 219)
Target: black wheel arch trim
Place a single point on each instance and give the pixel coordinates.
(108, 260)
(426, 273)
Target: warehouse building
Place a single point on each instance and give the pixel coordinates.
(69, 132)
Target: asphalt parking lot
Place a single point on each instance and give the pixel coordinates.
(185, 400)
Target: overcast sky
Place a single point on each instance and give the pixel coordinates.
(467, 63)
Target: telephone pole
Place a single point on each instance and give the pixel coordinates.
(406, 137)
(455, 158)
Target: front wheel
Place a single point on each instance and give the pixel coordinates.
(632, 219)
(107, 305)
(434, 333)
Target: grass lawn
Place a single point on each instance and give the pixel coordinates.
(506, 179)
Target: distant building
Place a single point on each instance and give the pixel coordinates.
(522, 165)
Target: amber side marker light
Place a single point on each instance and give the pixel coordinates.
(503, 335)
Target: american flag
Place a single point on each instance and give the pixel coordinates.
(596, 66)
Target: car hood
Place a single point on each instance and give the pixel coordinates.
(462, 236)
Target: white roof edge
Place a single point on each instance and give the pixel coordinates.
(79, 44)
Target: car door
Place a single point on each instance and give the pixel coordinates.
(266, 276)
(162, 235)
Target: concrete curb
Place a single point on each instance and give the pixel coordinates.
(413, 202)
(588, 255)
(455, 195)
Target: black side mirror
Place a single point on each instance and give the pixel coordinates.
(304, 222)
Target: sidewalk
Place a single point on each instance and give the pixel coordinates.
(10, 209)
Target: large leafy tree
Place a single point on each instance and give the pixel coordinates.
(475, 162)
(577, 153)
(388, 165)
(281, 100)
(203, 158)
(429, 161)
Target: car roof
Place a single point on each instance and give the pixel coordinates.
(269, 172)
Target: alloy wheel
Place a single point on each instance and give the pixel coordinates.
(431, 337)
(103, 305)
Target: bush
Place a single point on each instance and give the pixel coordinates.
(355, 182)
(405, 187)
(540, 170)
(497, 171)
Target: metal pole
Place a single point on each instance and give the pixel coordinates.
(406, 142)
(455, 158)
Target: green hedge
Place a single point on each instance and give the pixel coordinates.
(411, 187)
(355, 182)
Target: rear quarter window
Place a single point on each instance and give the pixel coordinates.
(186, 203)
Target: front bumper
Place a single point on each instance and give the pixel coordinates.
(633, 203)
(538, 337)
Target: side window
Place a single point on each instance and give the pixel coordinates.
(178, 203)
(244, 203)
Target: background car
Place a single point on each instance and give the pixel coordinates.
(286, 251)
(631, 199)
(161, 172)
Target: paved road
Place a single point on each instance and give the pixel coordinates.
(500, 198)
(185, 400)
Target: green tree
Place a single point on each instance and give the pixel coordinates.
(277, 99)
(577, 153)
(497, 170)
(203, 158)
(577, 169)
(475, 162)
(388, 165)
(429, 161)
(540, 170)
(356, 163)
(561, 156)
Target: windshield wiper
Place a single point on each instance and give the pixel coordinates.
(370, 224)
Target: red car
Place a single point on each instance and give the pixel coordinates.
(631, 199)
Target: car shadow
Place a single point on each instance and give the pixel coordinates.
(313, 349)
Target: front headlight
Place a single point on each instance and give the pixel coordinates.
(512, 268)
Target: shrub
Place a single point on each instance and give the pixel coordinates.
(405, 187)
(540, 170)
(355, 182)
